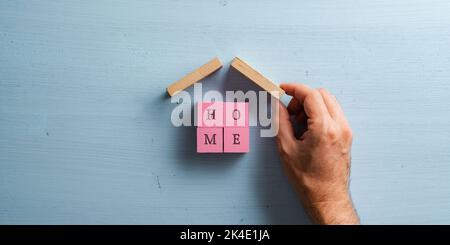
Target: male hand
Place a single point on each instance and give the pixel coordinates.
(317, 160)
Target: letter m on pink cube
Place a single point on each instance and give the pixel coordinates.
(209, 140)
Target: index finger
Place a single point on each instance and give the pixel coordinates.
(296, 90)
(314, 106)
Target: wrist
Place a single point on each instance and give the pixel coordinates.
(333, 212)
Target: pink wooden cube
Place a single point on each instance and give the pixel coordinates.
(236, 139)
(209, 140)
(210, 114)
(236, 114)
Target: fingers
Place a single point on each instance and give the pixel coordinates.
(330, 102)
(333, 106)
(315, 107)
(296, 90)
(285, 135)
(338, 108)
(311, 100)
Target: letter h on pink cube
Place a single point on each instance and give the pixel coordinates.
(223, 127)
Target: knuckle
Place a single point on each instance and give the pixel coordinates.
(316, 92)
(323, 90)
(336, 133)
(347, 133)
(332, 133)
(309, 99)
(312, 96)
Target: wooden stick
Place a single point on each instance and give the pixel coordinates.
(195, 76)
(257, 78)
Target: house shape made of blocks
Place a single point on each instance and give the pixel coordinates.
(223, 127)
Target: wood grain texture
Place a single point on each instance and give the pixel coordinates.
(85, 132)
(257, 78)
(195, 76)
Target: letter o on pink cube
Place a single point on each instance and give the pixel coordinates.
(236, 114)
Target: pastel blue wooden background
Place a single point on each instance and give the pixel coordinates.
(85, 135)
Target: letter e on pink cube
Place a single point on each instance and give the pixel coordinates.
(236, 139)
(209, 140)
